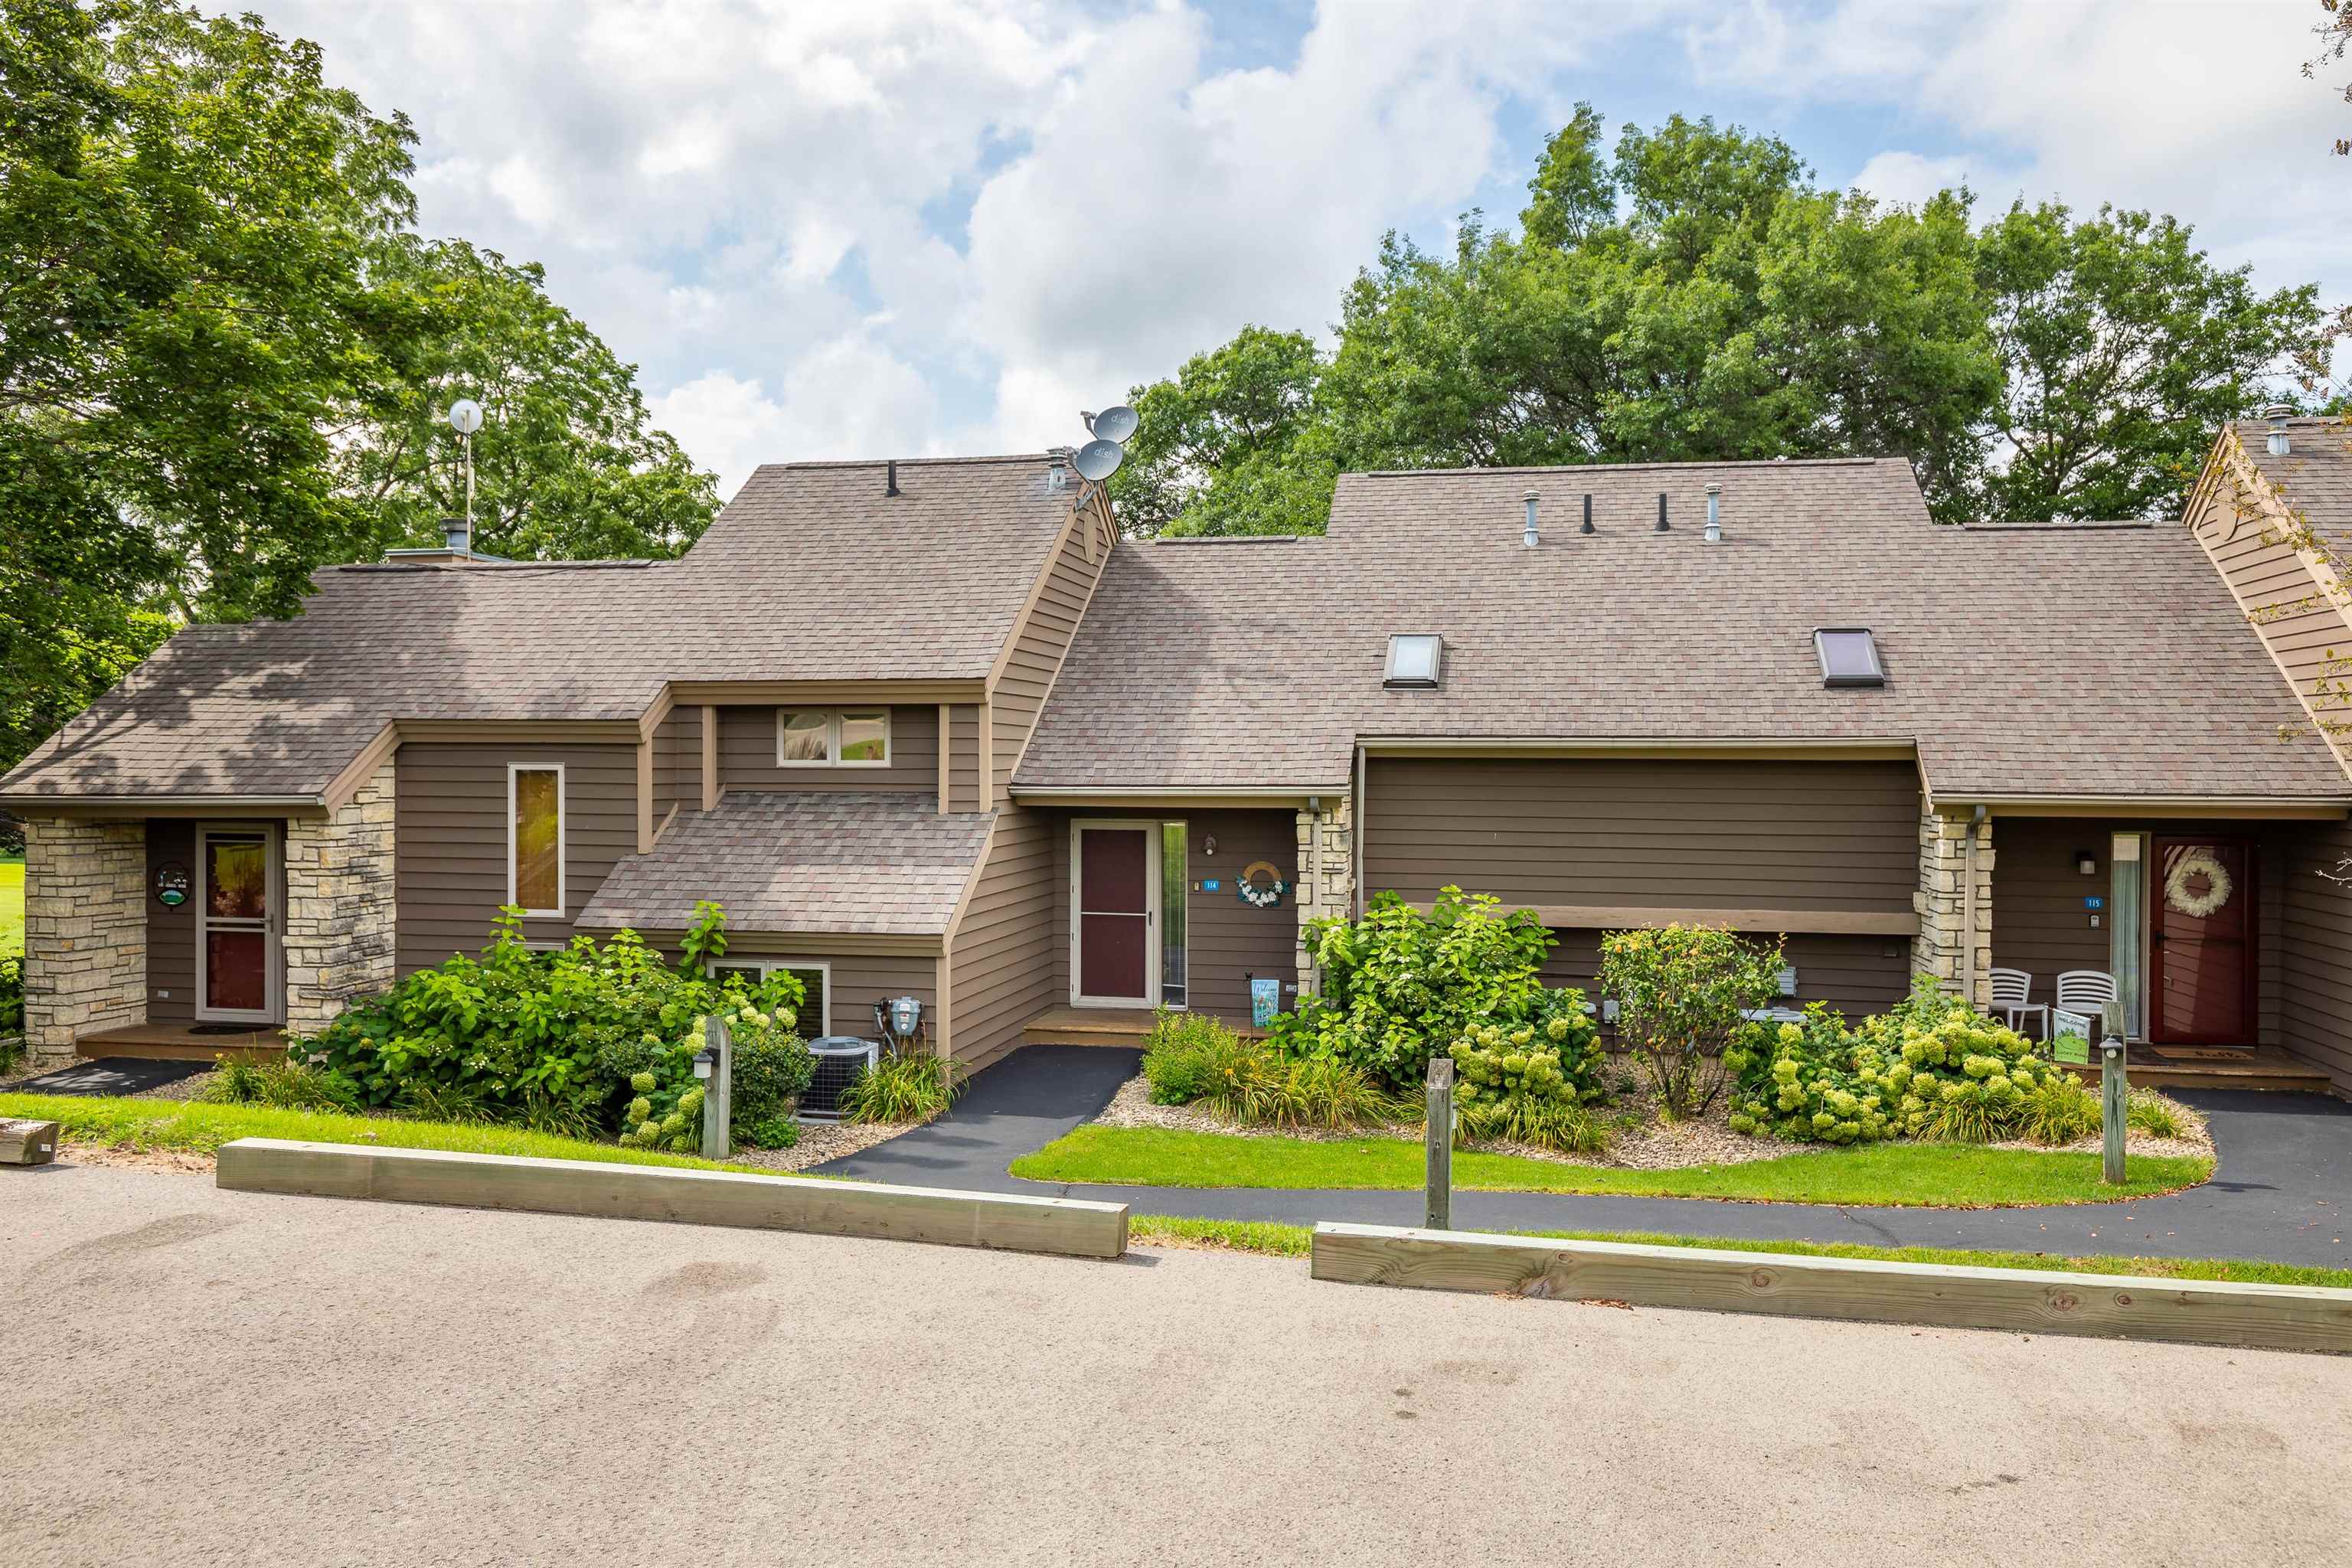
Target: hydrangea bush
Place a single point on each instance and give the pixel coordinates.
(1931, 1068)
(561, 1041)
(1529, 1082)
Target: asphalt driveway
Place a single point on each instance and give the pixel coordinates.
(232, 1378)
(2282, 1189)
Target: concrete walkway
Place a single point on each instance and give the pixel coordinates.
(206, 1377)
(2282, 1191)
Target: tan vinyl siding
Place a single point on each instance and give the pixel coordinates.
(2304, 627)
(1854, 974)
(171, 934)
(451, 859)
(747, 754)
(1227, 942)
(1650, 834)
(2315, 952)
(1038, 652)
(677, 762)
(859, 980)
(1001, 965)
(963, 777)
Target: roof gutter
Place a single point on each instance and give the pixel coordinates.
(1885, 748)
(2313, 808)
(1131, 794)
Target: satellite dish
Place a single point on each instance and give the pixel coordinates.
(1099, 460)
(465, 417)
(1115, 423)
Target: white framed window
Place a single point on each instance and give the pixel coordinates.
(832, 737)
(535, 823)
(816, 977)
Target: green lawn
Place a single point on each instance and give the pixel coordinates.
(1936, 1176)
(195, 1128)
(12, 905)
(1294, 1241)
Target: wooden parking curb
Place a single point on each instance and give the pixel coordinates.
(2035, 1300)
(1066, 1226)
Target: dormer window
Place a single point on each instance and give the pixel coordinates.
(833, 738)
(1413, 659)
(1849, 656)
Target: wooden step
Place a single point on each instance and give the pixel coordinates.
(2149, 1068)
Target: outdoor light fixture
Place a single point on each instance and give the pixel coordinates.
(2087, 863)
(704, 1060)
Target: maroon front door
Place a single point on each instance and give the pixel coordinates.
(2201, 943)
(1114, 914)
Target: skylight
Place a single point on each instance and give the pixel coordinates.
(1413, 659)
(1849, 658)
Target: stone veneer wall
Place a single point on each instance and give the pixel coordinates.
(1962, 960)
(85, 932)
(339, 906)
(1326, 884)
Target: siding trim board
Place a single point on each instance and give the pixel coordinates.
(1829, 922)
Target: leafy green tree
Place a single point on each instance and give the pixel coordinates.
(1233, 444)
(2124, 349)
(222, 348)
(567, 465)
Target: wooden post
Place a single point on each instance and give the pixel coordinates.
(717, 1102)
(1438, 1139)
(2115, 1088)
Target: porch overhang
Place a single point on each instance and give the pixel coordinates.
(186, 807)
(1176, 797)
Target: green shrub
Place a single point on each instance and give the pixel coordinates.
(1196, 1060)
(908, 1086)
(1680, 991)
(771, 1068)
(548, 1040)
(1930, 1067)
(285, 1084)
(1400, 986)
(11, 996)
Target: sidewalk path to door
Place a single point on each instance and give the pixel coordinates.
(2280, 1191)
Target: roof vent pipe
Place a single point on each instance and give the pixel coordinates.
(458, 534)
(1529, 537)
(1588, 513)
(2278, 413)
(1715, 514)
(890, 483)
(1662, 511)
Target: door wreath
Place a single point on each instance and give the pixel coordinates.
(1261, 887)
(2197, 863)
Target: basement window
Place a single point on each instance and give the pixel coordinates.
(1849, 656)
(1413, 660)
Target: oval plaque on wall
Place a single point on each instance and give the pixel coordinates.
(171, 884)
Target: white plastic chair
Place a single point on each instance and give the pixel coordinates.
(2010, 989)
(2085, 991)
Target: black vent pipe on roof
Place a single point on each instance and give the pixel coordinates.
(1662, 511)
(890, 486)
(1588, 513)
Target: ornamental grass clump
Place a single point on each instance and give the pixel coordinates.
(1194, 1059)
(904, 1085)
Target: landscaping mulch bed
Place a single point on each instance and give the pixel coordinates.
(822, 1140)
(1640, 1142)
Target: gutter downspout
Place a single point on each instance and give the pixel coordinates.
(1968, 908)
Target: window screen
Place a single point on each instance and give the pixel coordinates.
(1849, 656)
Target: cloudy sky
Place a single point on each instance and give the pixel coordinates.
(836, 228)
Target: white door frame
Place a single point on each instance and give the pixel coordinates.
(1152, 856)
(271, 925)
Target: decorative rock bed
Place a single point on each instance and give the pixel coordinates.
(1639, 1141)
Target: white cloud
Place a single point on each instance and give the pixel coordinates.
(872, 225)
(1908, 178)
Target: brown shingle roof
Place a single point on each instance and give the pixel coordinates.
(2033, 662)
(2315, 477)
(810, 572)
(830, 862)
